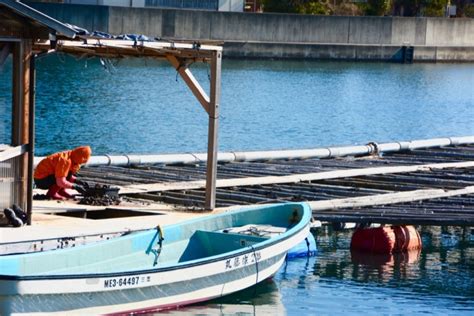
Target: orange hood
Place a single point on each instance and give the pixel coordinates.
(81, 154)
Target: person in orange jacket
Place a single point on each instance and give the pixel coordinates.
(57, 172)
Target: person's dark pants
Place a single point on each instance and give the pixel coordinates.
(47, 182)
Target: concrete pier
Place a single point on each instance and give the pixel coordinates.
(286, 35)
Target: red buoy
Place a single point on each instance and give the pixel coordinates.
(386, 239)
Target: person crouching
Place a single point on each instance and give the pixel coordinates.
(57, 172)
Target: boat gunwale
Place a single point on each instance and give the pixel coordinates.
(187, 264)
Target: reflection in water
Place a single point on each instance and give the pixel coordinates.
(383, 266)
(262, 299)
(437, 279)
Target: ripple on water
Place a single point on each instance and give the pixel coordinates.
(140, 107)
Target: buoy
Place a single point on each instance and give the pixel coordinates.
(386, 239)
(306, 248)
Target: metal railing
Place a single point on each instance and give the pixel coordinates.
(11, 183)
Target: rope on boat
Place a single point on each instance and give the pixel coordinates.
(156, 252)
(256, 262)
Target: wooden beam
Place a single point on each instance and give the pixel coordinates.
(12, 152)
(336, 174)
(388, 198)
(191, 81)
(212, 147)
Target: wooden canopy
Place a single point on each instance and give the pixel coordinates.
(26, 33)
(180, 55)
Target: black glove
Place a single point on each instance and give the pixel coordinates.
(79, 188)
(82, 183)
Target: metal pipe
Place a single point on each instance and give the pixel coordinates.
(191, 158)
(31, 138)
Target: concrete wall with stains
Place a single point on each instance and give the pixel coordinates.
(266, 32)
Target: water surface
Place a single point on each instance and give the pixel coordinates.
(143, 107)
(439, 280)
(140, 106)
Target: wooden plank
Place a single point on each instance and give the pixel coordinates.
(408, 220)
(388, 198)
(192, 83)
(12, 152)
(348, 209)
(52, 226)
(337, 174)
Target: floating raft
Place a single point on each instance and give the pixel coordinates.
(425, 186)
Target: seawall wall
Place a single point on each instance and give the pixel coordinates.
(284, 35)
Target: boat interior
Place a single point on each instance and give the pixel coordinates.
(156, 248)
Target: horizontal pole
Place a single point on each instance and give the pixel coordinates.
(328, 152)
(10, 39)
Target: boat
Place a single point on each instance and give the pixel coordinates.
(163, 268)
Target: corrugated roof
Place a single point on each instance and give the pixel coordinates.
(38, 18)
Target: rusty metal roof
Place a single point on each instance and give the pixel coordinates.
(17, 17)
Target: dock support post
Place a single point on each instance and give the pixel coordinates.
(21, 120)
(212, 147)
(211, 106)
(31, 138)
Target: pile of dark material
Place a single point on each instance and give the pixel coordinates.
(40, 197)
(101, 195)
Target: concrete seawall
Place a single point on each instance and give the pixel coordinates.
(286, 35)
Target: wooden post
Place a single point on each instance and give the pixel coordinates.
(20, 112)
(212, 147)
(31, 139)
(211, 105)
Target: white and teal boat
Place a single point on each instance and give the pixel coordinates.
(189, 262)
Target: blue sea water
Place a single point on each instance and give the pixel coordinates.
(439, 280)
(141, 106)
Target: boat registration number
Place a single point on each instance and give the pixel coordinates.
(125, 281)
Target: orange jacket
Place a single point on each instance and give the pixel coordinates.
(60, 164)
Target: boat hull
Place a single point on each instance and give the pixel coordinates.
(162, 290)
(147, 290)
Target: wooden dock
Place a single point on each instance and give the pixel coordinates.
(432, 186)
